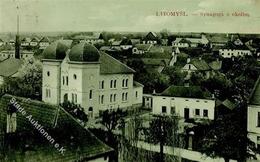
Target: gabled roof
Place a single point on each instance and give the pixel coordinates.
(109, 65)
(126, 41)
(155, 62)
(137, 84)
(45, 39)
(10, 66)
(144, 47)
(35, 39)
(186, 91)
(184, 40)
(60, 125)
(26, 40)
(228, 104)
(254, 98)
(151, 36)
(200, 64)
(219, 39)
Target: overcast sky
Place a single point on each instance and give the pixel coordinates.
(128, 15)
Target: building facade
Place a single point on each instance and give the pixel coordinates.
(186, 102)
(85, 76)
(229, 53)
(253, 116)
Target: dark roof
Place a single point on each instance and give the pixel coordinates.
(151, 36)
(63, 128)
(84, 52)
(10, 66)
(188, 92)
(144, 47)
(228, 104)
(255, 95)
(155, 62)
(126, 41)
(56, 50)
(200, 64)
(109, 65)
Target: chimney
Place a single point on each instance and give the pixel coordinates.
(17, 40)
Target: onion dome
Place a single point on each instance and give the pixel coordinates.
(84, 52)
(56, 50)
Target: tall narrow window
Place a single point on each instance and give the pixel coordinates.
(126, 96)
(258, 119)
(102, 84)
(90, 94)
(102, 99)
(76, 98)
(111, 84)
(205, 113)
(111, 97)
(114, 83)
(136, 94)
(114, 97)
(63, 80)
(126, 83)
(123, 96)
(47, 94)
(72, 97)
(67, 80)
(123, 83)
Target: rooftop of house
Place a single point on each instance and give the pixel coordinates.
(35, 39)
(155, 61)
(137, 84)
(200, 64)
(254, 98)
(151, 36)
(186, 92)
(126, 41)
(78, 142)
(215, 65)
(45, 39)
(218, 39)
(10, 66)
(144, 47)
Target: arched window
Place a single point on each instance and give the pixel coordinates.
(102, 99)
(75, 76)
(114, 83)
(126, 96)
(111, 84)
(123, 96)
(102, 84)
(114, 97)
(48, 73)
(126, 83)
(123, 83)
(111, 97)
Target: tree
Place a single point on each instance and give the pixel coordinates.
(75, 110)
(227, 138)
(28, 83)
(176, 75)
(163, 130)
(111, 119)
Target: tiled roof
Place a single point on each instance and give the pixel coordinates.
(35, 39)
(155, 62)
(255, 95)
(188, 92)
(144, 47)
(200, 64)
(109, 65)
(10, 66)
(78, 142)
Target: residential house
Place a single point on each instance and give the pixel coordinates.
(196, 65)
(141, 48)
(155, 64)
(44, 42)
(230, 53)
(218, 40)
(189, 102)
(46, 133)
(148, 101)
(174, 57)
(11, 42)
(11, 54)
(25, 42)
(151, 38)
(109, 85)
(181, 43)
(253, 115)
(34, 42)
(126, 44)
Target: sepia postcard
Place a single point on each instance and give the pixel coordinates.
(130, 80)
